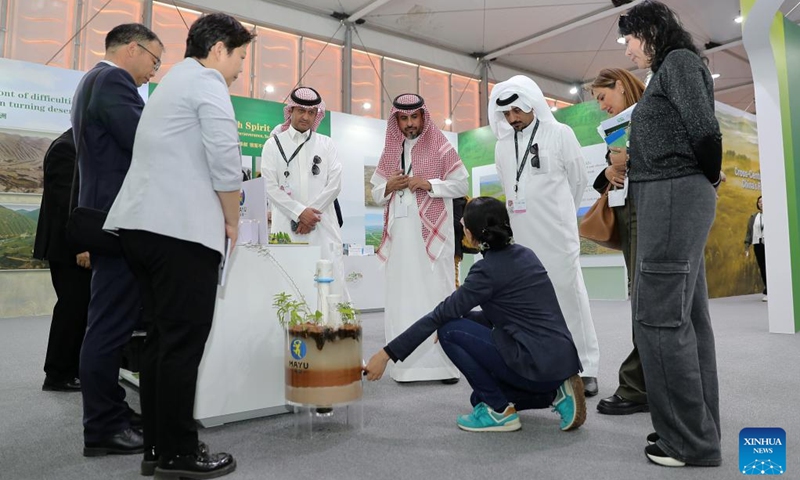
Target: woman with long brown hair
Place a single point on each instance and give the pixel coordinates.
(615, 90)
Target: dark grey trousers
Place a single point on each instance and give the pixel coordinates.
(671, 319)
(631, 378)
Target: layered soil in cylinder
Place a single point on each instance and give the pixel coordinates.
(323, 364)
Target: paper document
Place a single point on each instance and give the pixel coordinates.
(613, 130)
(223, 265)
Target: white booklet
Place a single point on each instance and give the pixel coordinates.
(225, 262)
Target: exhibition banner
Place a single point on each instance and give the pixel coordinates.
(35, 105)
(728, 271)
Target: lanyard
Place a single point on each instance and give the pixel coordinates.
(297, 150)
(403, 160)
(521, 166)
(403, 166)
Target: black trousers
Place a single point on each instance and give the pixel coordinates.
(68, 325)
(178, 281)
(758, 250)
(114, 311)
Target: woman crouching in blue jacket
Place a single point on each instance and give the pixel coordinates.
(516, 353)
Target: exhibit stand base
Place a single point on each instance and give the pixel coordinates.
(131, 378)
(208, 422)
(311, 419)
(242, 372)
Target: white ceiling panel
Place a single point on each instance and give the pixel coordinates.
(475, 29)
(482, 26)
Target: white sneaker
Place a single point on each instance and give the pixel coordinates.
(764, 298)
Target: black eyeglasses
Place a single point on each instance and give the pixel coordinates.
(315, 168)
(535, 156)
(157, 65)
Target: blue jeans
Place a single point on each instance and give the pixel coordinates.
(471, 348)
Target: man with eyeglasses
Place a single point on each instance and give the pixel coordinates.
(105, 114)
(303, 177)
(543, 175)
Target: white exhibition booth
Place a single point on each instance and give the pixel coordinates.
(242, 372)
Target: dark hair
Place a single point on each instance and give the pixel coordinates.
(758, 200)
(130, 32)
(487, 220)
(608, 78)
(207, 30)
(659, 28)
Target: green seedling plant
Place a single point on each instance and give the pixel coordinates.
(281, 238)
(294, 313)
(348, 313)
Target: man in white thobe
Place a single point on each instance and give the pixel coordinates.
(418, 175)
(543, 174)
(303, 176)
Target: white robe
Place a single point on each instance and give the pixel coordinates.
(307, 190)
(414, 284)
(549, 227)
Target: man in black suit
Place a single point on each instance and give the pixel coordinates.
(70, 270)
(106, 109)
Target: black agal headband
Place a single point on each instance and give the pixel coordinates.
(408, 106)
(306, 102)
(507, 101)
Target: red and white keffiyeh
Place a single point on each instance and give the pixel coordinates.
(305, 97)
(432, 157)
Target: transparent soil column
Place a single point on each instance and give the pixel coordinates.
(323, 375)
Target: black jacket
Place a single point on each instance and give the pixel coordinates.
(112, 116)
(51, 235)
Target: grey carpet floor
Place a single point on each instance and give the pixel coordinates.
(409, 430)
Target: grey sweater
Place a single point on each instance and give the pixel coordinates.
(674, 132)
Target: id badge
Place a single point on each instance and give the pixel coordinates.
(520, 204)
(400, 207)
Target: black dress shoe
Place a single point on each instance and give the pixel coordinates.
(151, 456)
(126, 442)
(71, 385)
(197, 465)
(589, 386)
(450, 381)
(616, 405)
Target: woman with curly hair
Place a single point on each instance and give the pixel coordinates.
(675, 157)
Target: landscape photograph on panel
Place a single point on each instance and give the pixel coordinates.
(19, 215)
(21, 155)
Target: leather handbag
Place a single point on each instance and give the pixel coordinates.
(599, 224)
(85, 225)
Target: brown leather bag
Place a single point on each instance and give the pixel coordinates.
(599, 224)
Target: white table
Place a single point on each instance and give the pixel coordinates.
(241, 375)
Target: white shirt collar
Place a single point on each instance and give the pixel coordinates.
(296, 136)
(110, 63)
